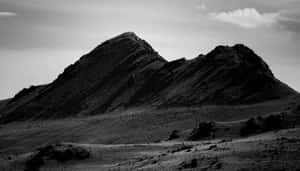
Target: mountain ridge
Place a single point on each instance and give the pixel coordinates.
(126, 71)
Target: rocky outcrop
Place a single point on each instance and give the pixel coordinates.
(56, 152)
(126, 71)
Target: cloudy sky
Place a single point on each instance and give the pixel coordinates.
(38, 39)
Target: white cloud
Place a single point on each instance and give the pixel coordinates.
(246, 18)
(7, 14)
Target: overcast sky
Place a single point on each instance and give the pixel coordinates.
(39, 38)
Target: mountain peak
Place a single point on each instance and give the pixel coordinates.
(125, 72)
(229, 51)
(128, 44)
(242, 47)
(237, 48)
(240, 56)
(128, 34)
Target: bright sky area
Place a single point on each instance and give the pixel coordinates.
(38, 39)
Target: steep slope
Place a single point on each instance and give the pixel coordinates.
(126, 72)
(3, 103)
(226, 75)
(97, 80)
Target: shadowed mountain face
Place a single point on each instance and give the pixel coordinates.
(126, 72)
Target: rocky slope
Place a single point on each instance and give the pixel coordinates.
(126, 72)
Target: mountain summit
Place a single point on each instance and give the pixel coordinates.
(126, 72)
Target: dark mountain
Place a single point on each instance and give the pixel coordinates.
(3, 103)
(126, 72)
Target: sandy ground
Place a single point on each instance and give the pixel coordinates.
(279, 150)
(136, 140)
(131, 126)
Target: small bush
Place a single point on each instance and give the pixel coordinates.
(251, 126)
(273, 122)
(204, 129)
(174, 135)
(262, 124)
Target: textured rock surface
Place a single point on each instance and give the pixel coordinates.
(58, 152)
(126, 72)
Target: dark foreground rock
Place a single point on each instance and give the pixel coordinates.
(57, 152)
(204, 130)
